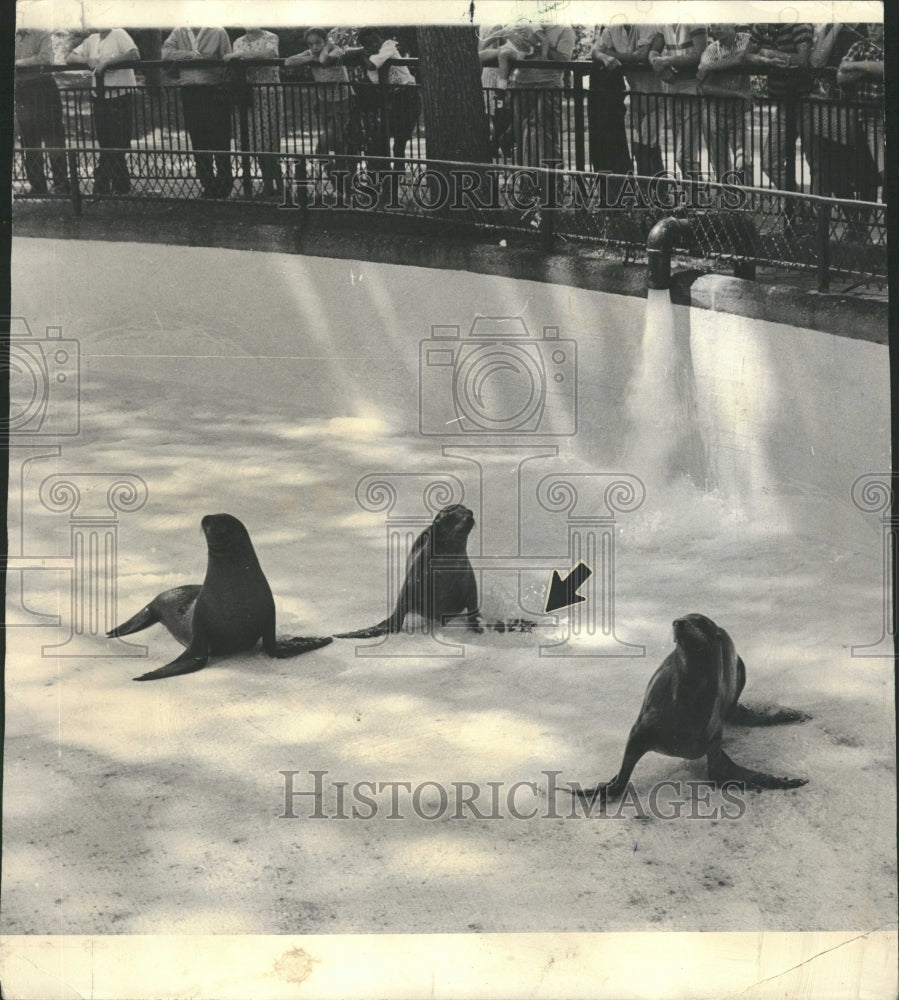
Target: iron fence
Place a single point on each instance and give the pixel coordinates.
(365, 148)
(809, 143)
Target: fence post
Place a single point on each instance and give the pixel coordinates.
(791, 134)
(579, 132)
(548, 215)
(383, 124)
(243, 111)
(302, 177)
(823, 246)
(74, 183)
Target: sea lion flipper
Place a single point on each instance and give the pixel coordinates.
(365, 633)
(143, 619)
(598, 794)
(193, 658)
(743, 715)
(723, 770)
(635, 748)
(392, 624)
(297, 644)
(187, 663)
(510, 625)
(172, 609)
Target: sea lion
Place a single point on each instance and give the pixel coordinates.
(229, 613)
(440, 583)
(688, 700)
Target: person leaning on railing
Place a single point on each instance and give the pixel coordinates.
(331, 113)
(629, 44)
(110, 53)
(723, 76)
(782, 51)
(863, 67)
(489, 41)
(206, 102)
(609, 151)
(674, 56)
(840, 162)
(264, 99)
(39, 112)
(536, 96)
(389, 112)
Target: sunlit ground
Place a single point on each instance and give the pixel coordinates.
(268, 387)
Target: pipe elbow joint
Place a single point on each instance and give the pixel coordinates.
(664, 236)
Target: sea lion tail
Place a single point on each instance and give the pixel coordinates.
(382, 628)
(143, 619)
(297, 644)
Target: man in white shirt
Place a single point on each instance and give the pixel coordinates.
(109, 53)
(206, 104)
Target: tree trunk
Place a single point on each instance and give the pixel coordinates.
(456, 126)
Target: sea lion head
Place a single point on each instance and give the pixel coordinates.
(451, 528)
(695, 633)
(224, 533)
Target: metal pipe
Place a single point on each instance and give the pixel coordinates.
(664, 236)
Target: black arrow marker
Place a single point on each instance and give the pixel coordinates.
(562, 593)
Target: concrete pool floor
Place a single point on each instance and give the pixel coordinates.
(236, 381)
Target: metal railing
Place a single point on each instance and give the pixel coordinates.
(284, 136)
(800, 143)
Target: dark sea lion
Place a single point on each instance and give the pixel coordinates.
(440, 583)
(229, 613)
(688, 700)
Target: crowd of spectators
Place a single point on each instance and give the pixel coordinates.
(706, 74)
(824, 86)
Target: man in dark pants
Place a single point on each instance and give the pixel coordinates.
(110, 53)
(206, 103)
(609, 150)
(39, 112)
